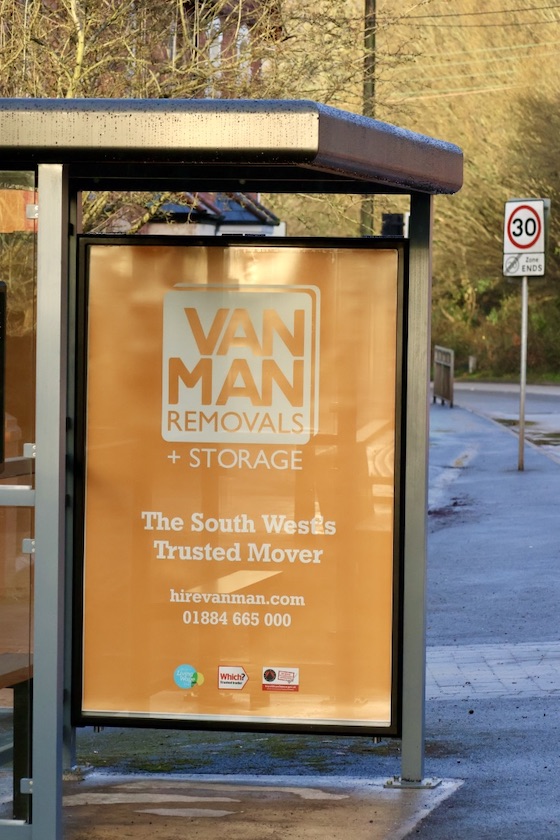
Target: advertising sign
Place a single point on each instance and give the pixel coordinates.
(240, 498)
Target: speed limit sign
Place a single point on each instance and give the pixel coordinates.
(524, 238)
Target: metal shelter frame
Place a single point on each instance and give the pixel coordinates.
(254, 146)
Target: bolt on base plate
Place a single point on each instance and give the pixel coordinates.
(398, 783)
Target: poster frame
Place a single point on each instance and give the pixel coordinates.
(78, 428)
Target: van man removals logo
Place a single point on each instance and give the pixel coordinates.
(240, 364)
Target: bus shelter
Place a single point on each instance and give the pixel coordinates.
(214, 488)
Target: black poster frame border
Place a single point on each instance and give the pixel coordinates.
(77, 425)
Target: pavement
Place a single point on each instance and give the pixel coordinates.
(243, 808)
(493, 691)
(500, 401)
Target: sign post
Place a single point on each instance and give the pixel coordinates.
(524, 256)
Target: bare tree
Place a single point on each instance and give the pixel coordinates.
(456, 71)
(469, 75)
(190, 49)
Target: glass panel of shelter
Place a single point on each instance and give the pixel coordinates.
(18, 234)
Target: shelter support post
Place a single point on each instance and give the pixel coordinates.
(52, 246)
(416, 495)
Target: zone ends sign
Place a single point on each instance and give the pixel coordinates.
(524, 238)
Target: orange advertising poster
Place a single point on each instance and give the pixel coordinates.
(239, 494)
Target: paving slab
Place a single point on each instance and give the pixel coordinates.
(505, 670)
(103, 807)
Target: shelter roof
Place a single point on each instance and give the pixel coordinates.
(244, 145)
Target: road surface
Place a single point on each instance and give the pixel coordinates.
(501, 403)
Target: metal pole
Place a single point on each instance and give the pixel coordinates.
(50, 502)
(416, 495)
(523, 377)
